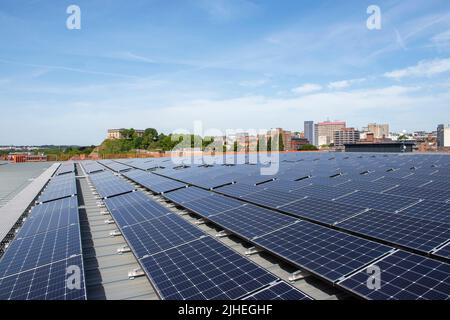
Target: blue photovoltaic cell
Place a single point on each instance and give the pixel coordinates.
(411, 232)
(134, 207)
(115, 166)
(286, 185)
(150, 237)
(250, 221)
(404, 276)
(443, 252)
(325, 211)
(48, 282)
(28, 253)
(49, 216)
(204, 269)
(323, 192)
(238, 189)
(421, 193)
(429, 210)
(59, 187)
(325, 252)
(368, 186)
(279, 291)
(378, 201)
(65, 168)
(154, 182)
(272, 198)
(212, 205)
(187, 194)
(108, 185)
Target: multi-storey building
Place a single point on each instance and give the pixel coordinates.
(324, 131)
(309, 131)
(380, 131)
(345, 136)
(443, 136)
(118, 133)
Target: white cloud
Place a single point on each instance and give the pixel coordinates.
(307, 88)
(426, 68)
(344, 83)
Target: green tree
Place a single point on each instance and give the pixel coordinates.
(308, 147)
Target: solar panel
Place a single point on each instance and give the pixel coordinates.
(404, 182)
(250, 221)
(379, 201)
(404, 276)
(28, 253)
(429, 210)
(411, 232)
(108, 185)
(323, 251)
(48, 282)
(187, 194)
(153, 182)
(272, 198)
(134, 207)
(238, 190)
(325, 211)
(65, 168)
(160, 234)
(285, 185)
(214, 204)
(443, 252)
(204, 269)
(59, 187)
(368, 186)
(115, 166)
(421, 193)
(49, 216)
(323, 192)
(279, 291)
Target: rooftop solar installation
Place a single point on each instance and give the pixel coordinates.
(47, 282)
(134, 207)
(49, 216)
(325, 211)
(443, 252)
(429, 210)
(160, 234)
(279, 291)
(401, 229)
(115, 166)
(40, 249)
(421, 193)
(108, 185)
(324, 192)
(404, 276)
(385, 202)
(65, 168)
(285, 185)
(323, 251)
(250, 221)
(212, 205)
(187, 194)
(238, 189)
(204, 269)
(272, 198)
(154, 182)
(92, 167)
(368, 186)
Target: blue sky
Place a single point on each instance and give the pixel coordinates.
(233, 64)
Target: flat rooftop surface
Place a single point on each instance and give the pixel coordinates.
(14, 177)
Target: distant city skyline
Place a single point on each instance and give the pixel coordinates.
(231, 64)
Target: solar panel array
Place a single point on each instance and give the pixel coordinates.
(354, 210)
(180, 260)
(59, 187)
(44, 261)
